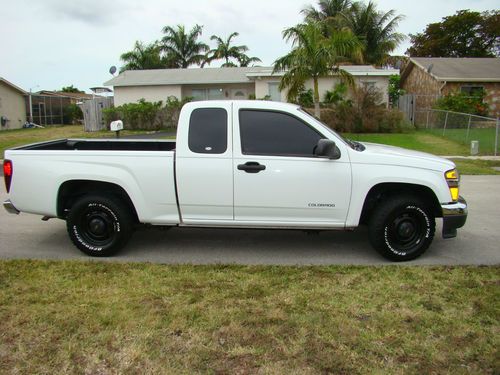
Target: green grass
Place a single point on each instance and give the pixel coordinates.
(90, 317)
(485, 136)
(19, 137)
(418, 140)
(468, 166)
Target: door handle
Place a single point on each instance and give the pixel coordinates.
(251, 167)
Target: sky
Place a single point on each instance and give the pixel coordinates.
(48, 44)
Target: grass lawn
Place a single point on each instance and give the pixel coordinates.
(485, 136)
(99, 317)
(418, 140)
(19, 137)
(467, 166)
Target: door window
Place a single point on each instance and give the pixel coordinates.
(276, 133)
(208, 131)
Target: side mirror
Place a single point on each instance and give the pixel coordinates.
(326, 148)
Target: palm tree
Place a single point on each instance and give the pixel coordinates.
(245, 60)
(313, 56)
(143, 56)
(330, 14)
(328, 10)
(225, 51)
(183, 49)
(376, 29)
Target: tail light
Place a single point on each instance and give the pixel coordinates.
(7, 173)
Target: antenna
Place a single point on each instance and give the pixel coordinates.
(112, 70)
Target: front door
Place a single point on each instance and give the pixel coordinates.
(277, 179)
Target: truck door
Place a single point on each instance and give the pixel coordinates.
(204, 172)
(278, 180)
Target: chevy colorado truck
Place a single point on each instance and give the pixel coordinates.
(239, 164)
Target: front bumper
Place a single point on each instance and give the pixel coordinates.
(454, 217)
(9, 207)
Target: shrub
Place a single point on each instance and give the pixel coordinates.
(147, 115)
(395, 90)
(72, 113)
(364, 114)
(463, 102)
(337, 95)
(172, 110)
(305, 98)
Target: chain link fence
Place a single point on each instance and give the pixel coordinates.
(461, 127)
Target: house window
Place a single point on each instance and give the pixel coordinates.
(472, 90)
(198, 94)
(215, 94)
(207, 94)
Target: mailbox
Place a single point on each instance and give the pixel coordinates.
(116, 126)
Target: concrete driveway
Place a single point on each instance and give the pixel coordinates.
(26, 236)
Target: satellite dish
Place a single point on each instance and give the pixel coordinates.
(112, 70)
(429, 68)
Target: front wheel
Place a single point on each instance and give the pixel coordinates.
(402, 228)
(99, 225)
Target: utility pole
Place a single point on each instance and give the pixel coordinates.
(31, 103)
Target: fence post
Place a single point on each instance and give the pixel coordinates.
(445, 122)
(496, 135)
(427, 121)
(468, 129)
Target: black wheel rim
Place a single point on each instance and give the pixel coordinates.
(406, 231)
(97, 227)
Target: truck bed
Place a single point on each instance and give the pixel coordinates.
(102, 145)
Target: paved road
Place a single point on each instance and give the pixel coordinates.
(26, 236)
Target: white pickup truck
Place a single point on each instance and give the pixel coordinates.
(239, 164)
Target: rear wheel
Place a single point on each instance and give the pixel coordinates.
(99, 225)
(402, 228)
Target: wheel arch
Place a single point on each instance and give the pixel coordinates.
(70, 191)
(387, 189)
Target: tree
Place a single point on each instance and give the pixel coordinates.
(183, 49)
(244, 60)
(225, 51)
(70, 88)
(464, 34)
(328, 12)
(376, 29)
(143, 56)
(313, 56)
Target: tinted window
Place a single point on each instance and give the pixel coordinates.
(276, 133)
(208, 131)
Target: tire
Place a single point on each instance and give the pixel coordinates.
(99, 225)
(402, 228)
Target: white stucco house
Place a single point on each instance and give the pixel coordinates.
(227, 83)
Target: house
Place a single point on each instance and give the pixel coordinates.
(428, 78)
(227, 83)
(12, 105)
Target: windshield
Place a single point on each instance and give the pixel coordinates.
(352, 144)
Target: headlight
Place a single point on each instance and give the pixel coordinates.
(453, 179)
